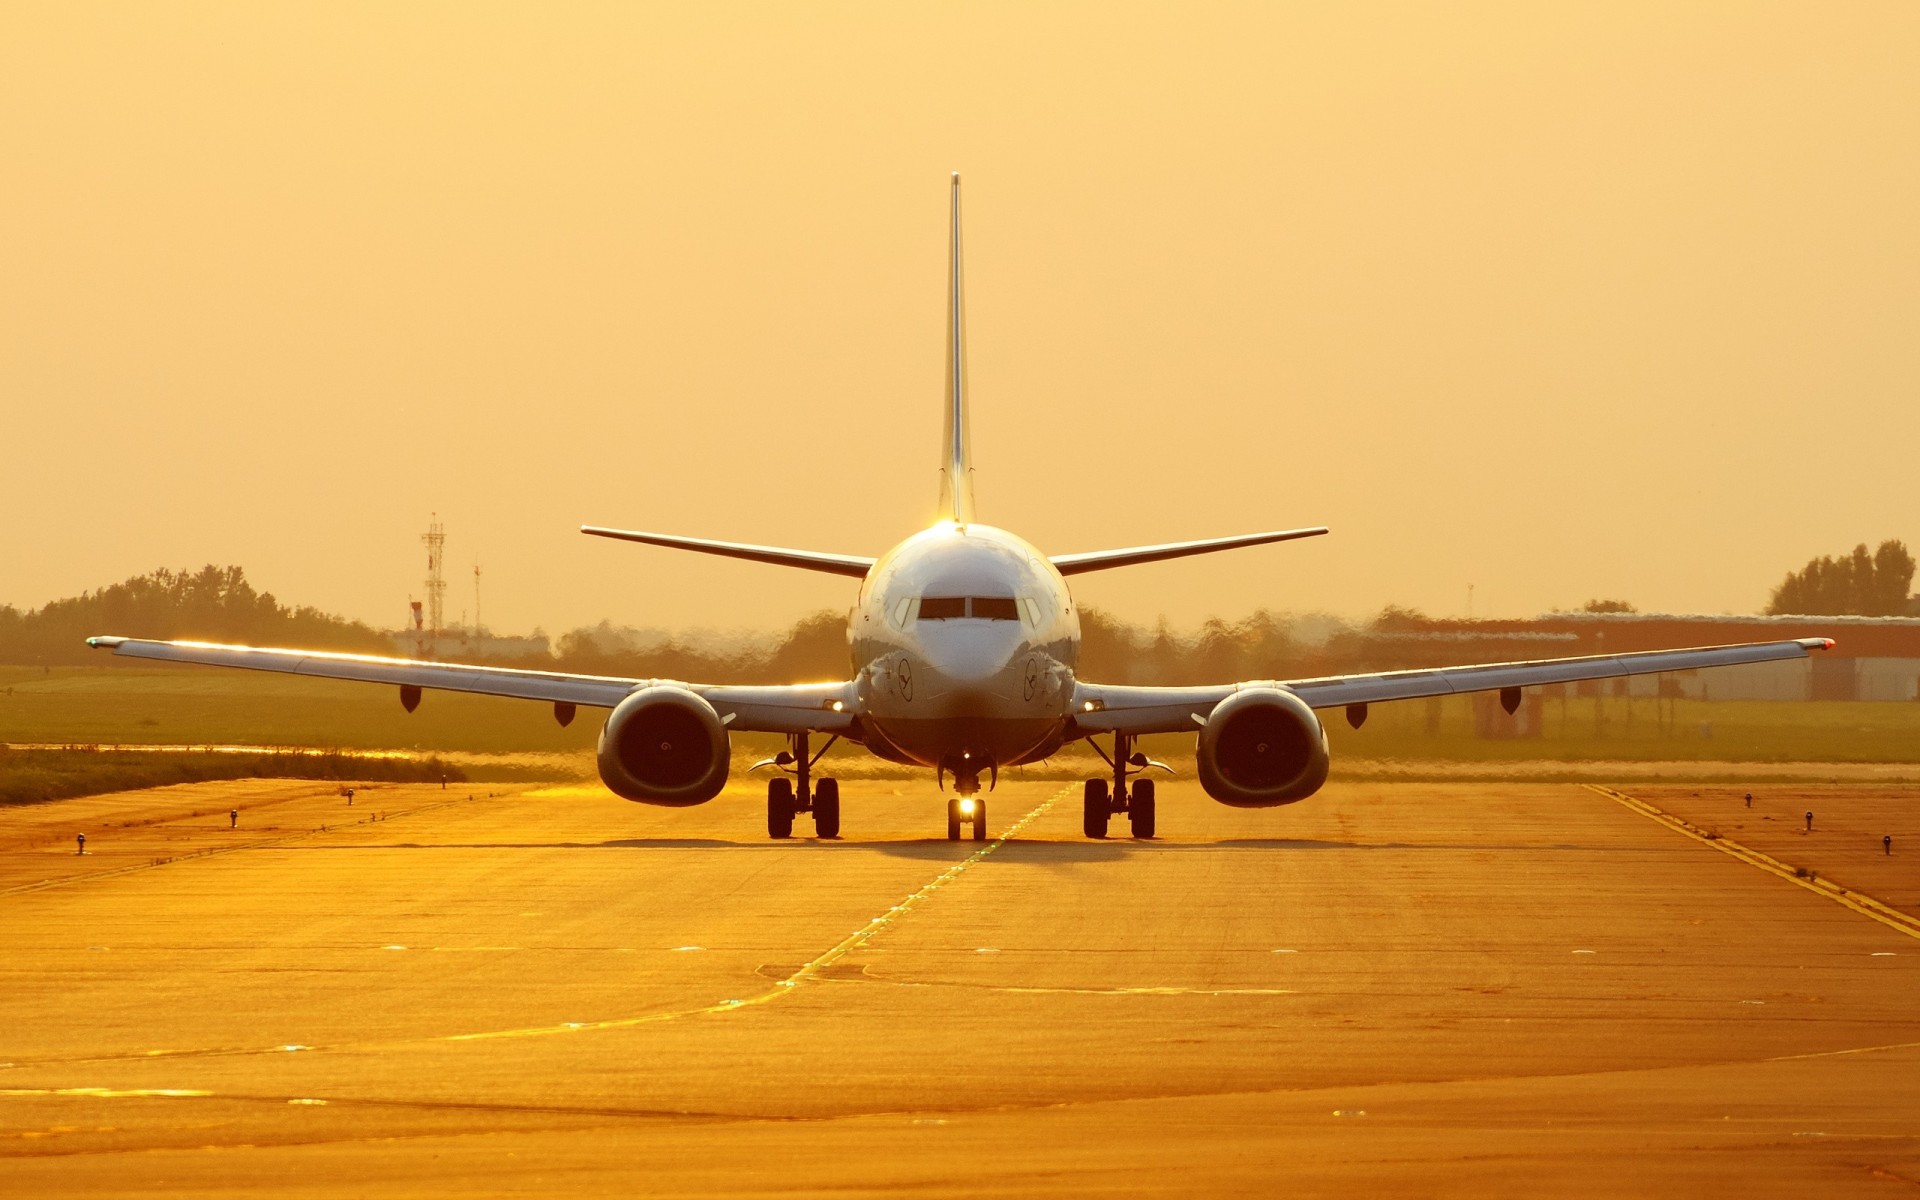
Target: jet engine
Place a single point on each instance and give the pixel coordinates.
(1262, 747)
(664, 745)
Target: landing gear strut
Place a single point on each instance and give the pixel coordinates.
(786, 797)
(1101, 801)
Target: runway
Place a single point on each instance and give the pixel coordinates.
(1390, 989)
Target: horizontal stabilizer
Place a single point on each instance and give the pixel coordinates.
(810, 560)
(1101, 560)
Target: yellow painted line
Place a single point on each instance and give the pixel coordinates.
(808, 971)
(1850, 1050)
(1859, 902)
(100, 1093)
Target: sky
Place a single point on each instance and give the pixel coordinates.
(1549, 302)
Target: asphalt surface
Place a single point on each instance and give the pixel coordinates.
(1390, 989)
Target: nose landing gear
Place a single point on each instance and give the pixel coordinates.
(1101, 801)
(788, 797)
(967, 810)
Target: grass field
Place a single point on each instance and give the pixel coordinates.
(149, 705)
(35, 776)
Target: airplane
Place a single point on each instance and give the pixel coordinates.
(964, 643)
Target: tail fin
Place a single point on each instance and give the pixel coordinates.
(956, 447)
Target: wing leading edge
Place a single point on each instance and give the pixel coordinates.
(1099, 709)
(791, 708)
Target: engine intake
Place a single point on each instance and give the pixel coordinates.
(1262, 747)
(664, 745)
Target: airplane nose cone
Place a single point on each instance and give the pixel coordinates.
(970, 663)
(970, 658)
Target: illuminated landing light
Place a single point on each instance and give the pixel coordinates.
(966, 806)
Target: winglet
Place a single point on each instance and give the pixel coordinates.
(956, 448)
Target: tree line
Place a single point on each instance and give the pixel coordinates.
(211, 604)
(219, 604)
(1863, 584)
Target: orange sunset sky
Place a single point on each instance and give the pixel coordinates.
(1560, 301)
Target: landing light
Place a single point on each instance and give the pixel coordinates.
(966, 806)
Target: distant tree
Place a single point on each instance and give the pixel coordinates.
(1396, 617)
(1859, 584)
(211, 604)
(1608, 606)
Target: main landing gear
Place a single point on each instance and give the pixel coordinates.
(787, 797)
(1103, 800)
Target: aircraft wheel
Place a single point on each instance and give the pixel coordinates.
(780, 808)
(826, 808)
(979, 820)
(1095, 809)
(953, 820)
(1140, 808)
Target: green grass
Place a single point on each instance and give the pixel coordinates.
(34, 776)
(154, 705)
(1644, 730)
(187, 705)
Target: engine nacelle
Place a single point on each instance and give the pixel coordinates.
(1262, 747)
(664, 745)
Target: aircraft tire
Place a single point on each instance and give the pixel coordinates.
(979, 820)
(826, 808)
(780, 808)
(953, 820)
(1140, 808)
(1095, 809)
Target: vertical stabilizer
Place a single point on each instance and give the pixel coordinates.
(956, 447)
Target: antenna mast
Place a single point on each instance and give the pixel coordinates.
(435, 540)
(476, 600)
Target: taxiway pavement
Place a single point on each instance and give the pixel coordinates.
(1389, 989)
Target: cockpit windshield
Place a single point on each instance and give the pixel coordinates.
(990, 608)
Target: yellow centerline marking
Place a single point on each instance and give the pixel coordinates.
(807, 972)
(1863, 904)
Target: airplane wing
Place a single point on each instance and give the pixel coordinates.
(1099, 709)
(792, 708)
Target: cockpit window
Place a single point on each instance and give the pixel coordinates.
(993, 608)
(989, 608)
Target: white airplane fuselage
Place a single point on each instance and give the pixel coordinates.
(964, 641)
